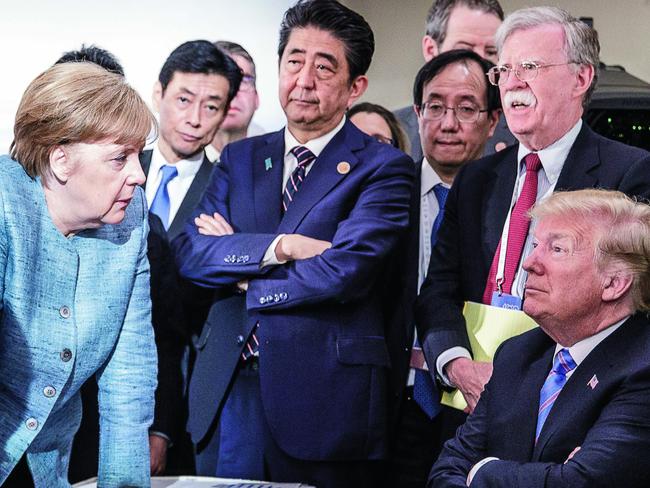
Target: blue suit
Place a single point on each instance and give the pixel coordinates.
(323, 357)
(72, 308)
(609, 418)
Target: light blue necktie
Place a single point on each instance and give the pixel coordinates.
(425, 392)
(160, 204)
(562, 364)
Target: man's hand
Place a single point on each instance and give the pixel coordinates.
(294, 247)
(213, 225)
(157, 454)
(470, 378)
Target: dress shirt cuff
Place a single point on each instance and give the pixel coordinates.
(447, 356)
(270, 259)
(160, 434)
(477, 466)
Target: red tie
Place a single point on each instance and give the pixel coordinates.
(517, 231)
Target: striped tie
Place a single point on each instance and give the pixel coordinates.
(562, 364)
(252, 345)
(304, 157)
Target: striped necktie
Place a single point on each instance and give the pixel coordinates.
(304, 157)
(562, 364)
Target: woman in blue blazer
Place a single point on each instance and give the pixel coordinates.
(74, 278)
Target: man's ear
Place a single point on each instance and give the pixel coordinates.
(60, 163)
(616, 285)
(357, 88)
(584, 77)
(430, 48)
(157, 96)
(493, 120)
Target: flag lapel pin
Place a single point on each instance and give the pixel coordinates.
(268, 164)
(593, 382)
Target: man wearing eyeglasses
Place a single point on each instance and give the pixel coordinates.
(457, 112)
(237, 125)
(546, 73)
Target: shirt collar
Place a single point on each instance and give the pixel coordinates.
(554, 156)
(185, 167)
(429, 178)
(316, 146)
(581, 349)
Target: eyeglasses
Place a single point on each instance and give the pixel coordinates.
(464, 112)
(247, 83)
(525, 71)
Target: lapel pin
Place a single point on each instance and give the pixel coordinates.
(343, 168)
(593, 382)
(268, 164)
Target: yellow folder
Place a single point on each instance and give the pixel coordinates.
(487, 328)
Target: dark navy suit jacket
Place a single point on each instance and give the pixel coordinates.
(475, 213)
(323, 354)
(608, 420)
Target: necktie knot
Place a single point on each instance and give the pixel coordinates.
(441, 193)
(303, 155)
(169, 172)
(532, 162)
(563, 362)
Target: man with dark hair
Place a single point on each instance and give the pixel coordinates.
(294, 233)
(459, 24)
(93, 54)
(237, 123)
(457, 111)
(194, 89)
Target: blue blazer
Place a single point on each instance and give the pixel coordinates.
(475, 214)
(72, 308)
(609, 421)
(323, 354)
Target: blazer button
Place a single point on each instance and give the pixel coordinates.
(49, 391)
(64, 312)
(240, 340)
(66, 355)
(31, 423)
(262, 300)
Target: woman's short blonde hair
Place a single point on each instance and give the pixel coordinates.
(77, 102)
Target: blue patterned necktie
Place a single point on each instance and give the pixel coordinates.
(425, 392)
(160, 204)
(562, 364)
(304, 157)
(441, 193)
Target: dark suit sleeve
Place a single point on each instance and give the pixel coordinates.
(216, 261)
(438, 311)
(360, 245)
(170, 333)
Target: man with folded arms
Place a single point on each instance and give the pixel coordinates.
(569, 402)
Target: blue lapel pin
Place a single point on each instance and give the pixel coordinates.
(268, 164)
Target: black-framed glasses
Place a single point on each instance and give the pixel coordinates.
(464, 112)
(525, 71)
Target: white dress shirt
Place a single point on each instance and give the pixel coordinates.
(178, 186)
(552, 158)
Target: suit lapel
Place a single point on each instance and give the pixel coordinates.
(145, 162)
(268, 164)
(192, 197)
(579, 169)
(498, 204)
(323, 176)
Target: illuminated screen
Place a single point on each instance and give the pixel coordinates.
(628, 126)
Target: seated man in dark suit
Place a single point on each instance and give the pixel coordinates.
(569, 402)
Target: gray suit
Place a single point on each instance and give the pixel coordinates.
(406, 116)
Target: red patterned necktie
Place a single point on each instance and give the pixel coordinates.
(304, 157)
(517, 231)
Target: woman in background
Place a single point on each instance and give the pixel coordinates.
(380, 123)
(74, 278)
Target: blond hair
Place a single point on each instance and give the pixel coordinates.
(625, 231)
(76, 102)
